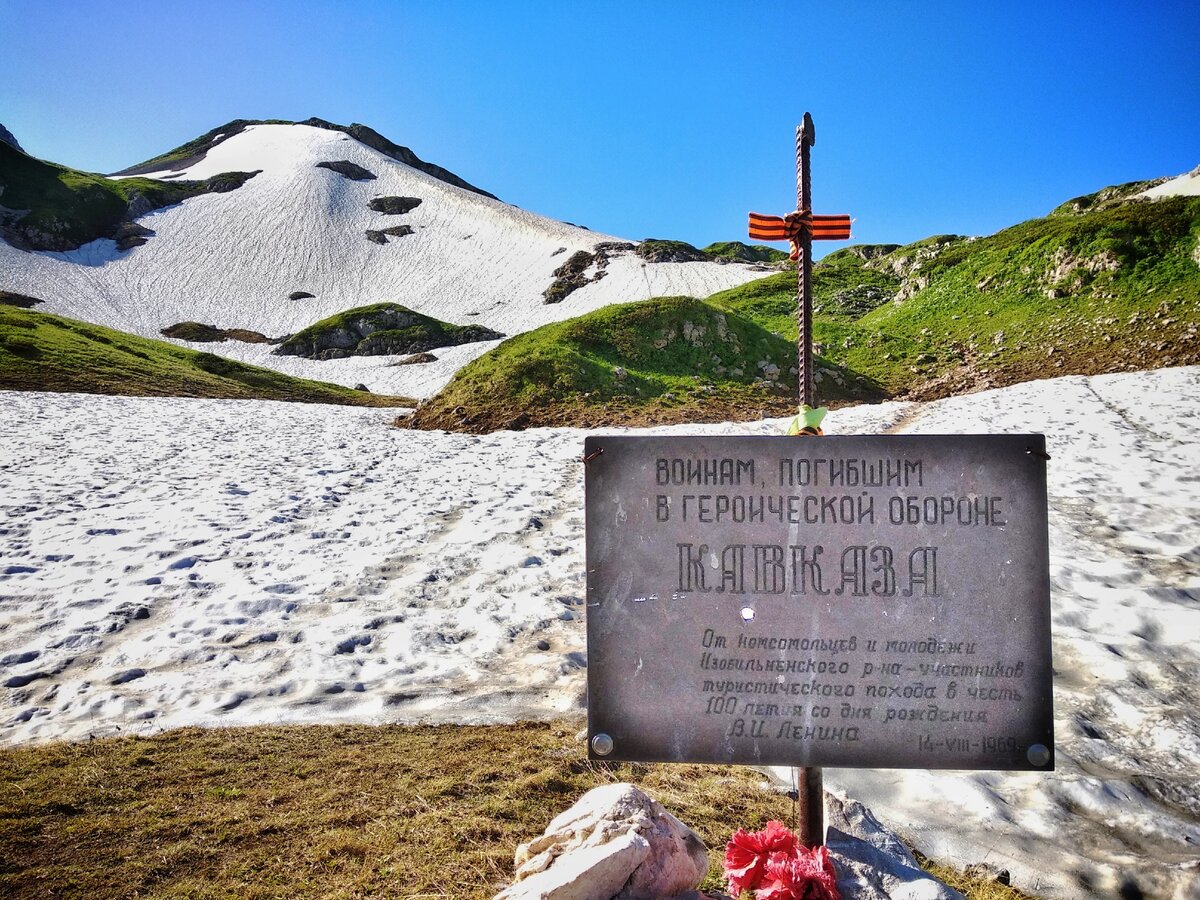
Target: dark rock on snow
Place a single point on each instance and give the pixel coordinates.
(300, 295)
(380, 236)
(198, 332)
(415, 359)
(130, 234)
(394, 206)
(8, 298)
(572, 274)
(353, 171)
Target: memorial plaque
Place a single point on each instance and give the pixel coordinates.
(877, 601)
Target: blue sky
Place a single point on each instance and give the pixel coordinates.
(647, 119)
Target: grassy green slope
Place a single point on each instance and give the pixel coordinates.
(1108, 288)
(65, 208)
(380, 329)
(662, 360)
(740, 252)
(43, 352)
(1100, 285)
(330, 811)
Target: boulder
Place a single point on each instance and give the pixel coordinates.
(21, 301)
(129, 235)
(394, 206)
(615, 843)
(379, 236)
(350, 170)
(415, 359)
(872, 863)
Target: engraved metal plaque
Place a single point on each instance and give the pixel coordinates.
(878, 601)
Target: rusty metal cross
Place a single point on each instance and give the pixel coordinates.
(801, 228)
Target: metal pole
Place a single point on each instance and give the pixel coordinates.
(810, 783)
(805, 138)
(810, 787)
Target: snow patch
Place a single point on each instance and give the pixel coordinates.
(261, 562)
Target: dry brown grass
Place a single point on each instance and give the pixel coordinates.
(320, 811)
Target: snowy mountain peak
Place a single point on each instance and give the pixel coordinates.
(187, 155)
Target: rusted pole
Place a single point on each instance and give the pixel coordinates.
(809, 781)
(811, 827)
(805, 138)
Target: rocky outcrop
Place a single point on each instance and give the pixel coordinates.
(199, 333)
(615, 843)
(658, 251)
(1106, 198)
(569, 277)
(573, 274)
(415, 359)
(301, 295)
(381, 236)
(868, 252)
(353, 171)
(130, 234)
(908, 266)
(7, 137)
(8, 298)
(1068, 272)
(384, 329)
(394, 206)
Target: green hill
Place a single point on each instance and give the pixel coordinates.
(740, 252)
(52, 207)
(668, 359)
(380, 329)
(43, 352)
(1104, 283)
(1100, 285)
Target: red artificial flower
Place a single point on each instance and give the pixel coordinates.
(746, 854)
(801, 875)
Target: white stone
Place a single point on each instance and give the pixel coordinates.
(872, 863)
(615, 843)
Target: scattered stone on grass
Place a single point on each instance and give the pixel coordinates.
(616, 842)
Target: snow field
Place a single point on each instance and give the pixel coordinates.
(169, 562)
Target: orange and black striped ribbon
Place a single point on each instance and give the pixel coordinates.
(778, 228)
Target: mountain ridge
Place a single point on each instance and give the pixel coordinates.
(193, 151)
